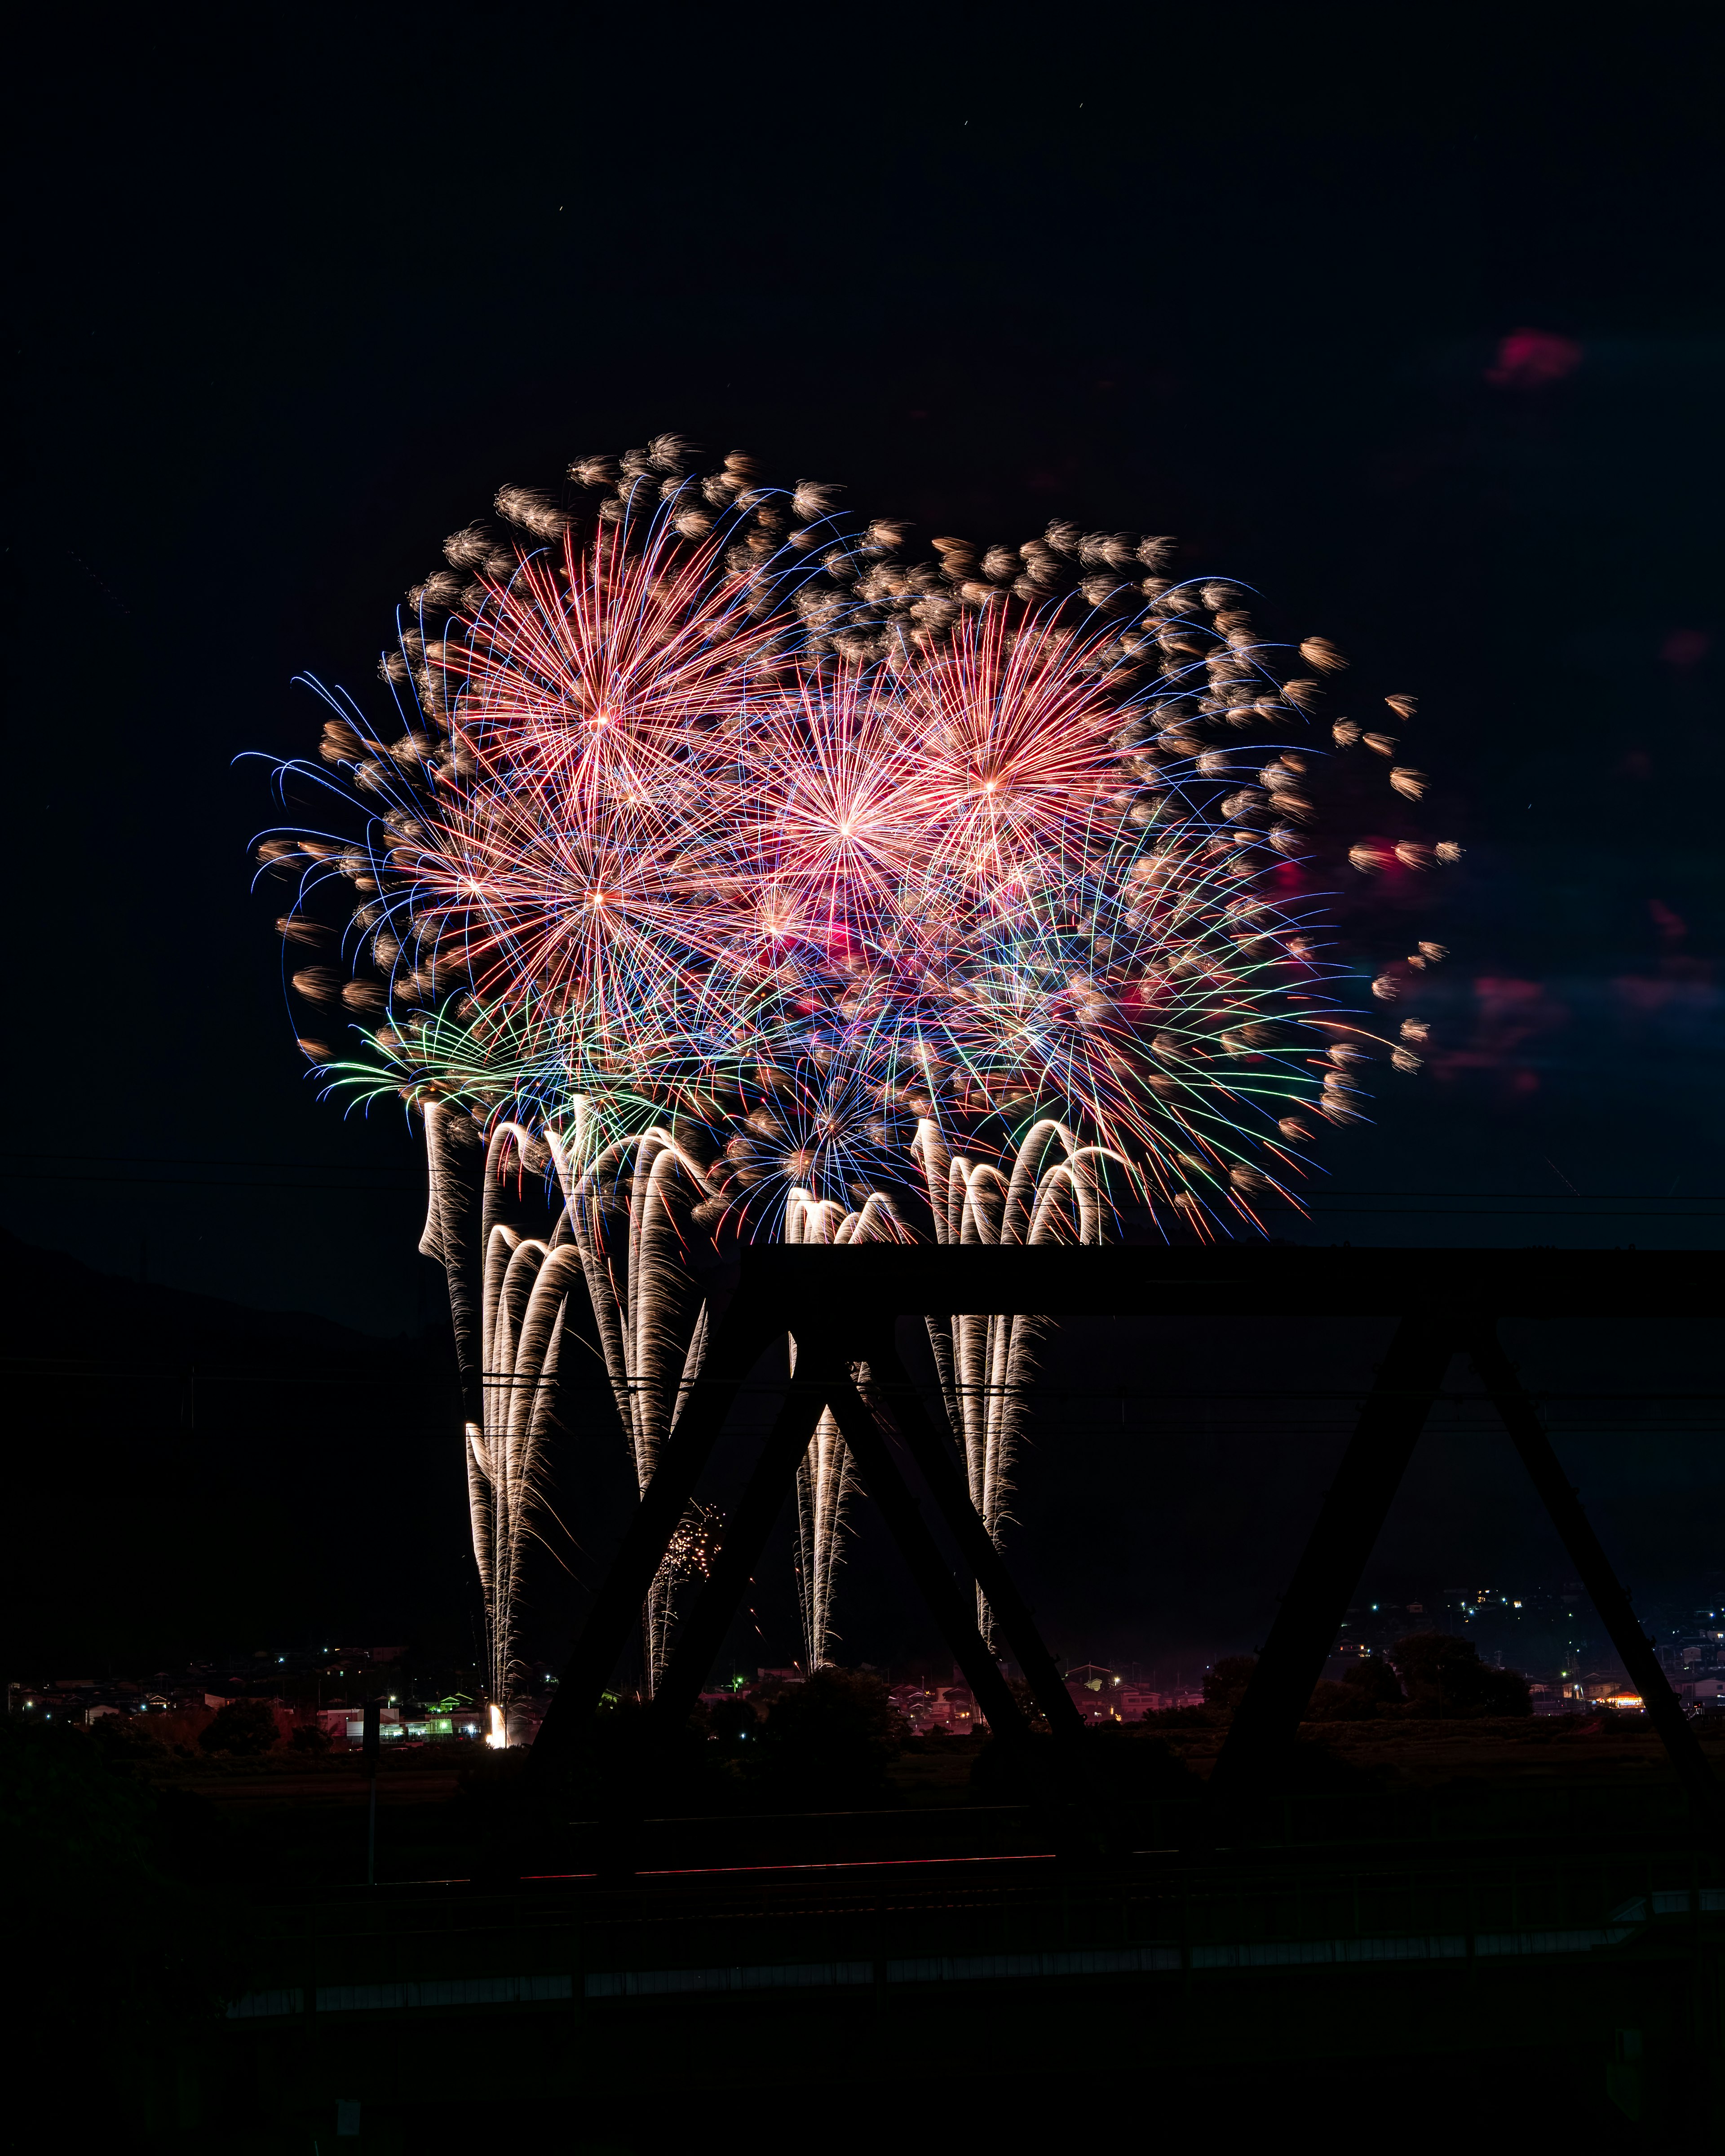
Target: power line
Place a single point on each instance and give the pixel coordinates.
(214, 1183)
(197, 1160)
(1477, 1212)
(1327, 1192)
(276, 1374)
(1543, 1210)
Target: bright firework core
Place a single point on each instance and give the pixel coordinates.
(965, 899)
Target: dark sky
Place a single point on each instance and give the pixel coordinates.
(294, 296)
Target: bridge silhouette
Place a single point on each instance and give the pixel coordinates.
(840, 1304)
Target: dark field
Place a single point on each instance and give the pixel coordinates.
(302, 1825)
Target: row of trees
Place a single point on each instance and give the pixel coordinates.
(1429, 1676)
(840, 1732)
(830, 1742)
(245, 1728)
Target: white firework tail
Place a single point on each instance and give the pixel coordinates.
(1054, 1192)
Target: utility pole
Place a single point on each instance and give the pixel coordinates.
(371, 1746)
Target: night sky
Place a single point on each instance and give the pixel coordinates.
(1411, 319)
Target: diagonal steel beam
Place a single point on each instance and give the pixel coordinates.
(1267, 1720)
(702, 1633)
(1520, 1416)
(739, 1332)
(948, 1602)
(940, 1472)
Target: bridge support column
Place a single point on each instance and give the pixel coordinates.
(1521, 1417)
(1267, 1720)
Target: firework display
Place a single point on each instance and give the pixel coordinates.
(724, 871)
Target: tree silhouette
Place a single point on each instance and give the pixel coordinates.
(1224, 1685)
(244, 1726)
(1370, 1687)
(1445, 1679)
(829, 1741)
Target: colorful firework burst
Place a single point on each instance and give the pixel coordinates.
(976, 898)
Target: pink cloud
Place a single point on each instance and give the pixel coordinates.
(1680, 991)
(1508, 1016)
(1686, 647)
(1528, 359)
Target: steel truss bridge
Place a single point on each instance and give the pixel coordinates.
(840, 1304)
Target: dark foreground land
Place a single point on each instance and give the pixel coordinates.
(1473, 1932)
